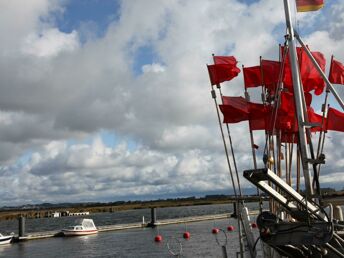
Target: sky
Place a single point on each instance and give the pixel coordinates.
(106, 100)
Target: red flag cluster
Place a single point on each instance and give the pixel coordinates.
(224, 69)
(269, 73)
(262, 117)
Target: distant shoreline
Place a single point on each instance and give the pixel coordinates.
(40, 211)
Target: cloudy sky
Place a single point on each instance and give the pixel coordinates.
(104, 100)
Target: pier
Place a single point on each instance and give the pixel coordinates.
(107, 228)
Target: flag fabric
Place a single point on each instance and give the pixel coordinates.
(336, 72)
(316, 119)
(228, 60)
(271, 70)
(335, 120)
(222, 72)
(252, 76)
(237, 109)
(257, 116)
(309, 5)
(311, 78)
(234, 109)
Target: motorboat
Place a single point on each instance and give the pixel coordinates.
(5, 239)
(83, 227)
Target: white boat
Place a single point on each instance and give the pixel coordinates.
(5, 239)
(83, 227)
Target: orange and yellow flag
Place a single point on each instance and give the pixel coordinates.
(309, 5)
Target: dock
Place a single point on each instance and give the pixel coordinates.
(107, 228)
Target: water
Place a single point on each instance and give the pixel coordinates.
(128, 243)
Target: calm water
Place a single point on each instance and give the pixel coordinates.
(128, 243)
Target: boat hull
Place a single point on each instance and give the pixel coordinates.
(79, 232)
(5, 240)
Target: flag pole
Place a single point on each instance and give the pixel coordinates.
(213, 94)
(241, 245)
(322, 133)
(218, 86)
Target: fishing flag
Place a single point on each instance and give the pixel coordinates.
(309, 5)
(311, 78)
(222, 72)
(335, 120)
(252, 76)
(336, 72)
(234, 109)
(228, 60)
(271, 70)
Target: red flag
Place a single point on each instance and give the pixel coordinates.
(335, 120)
(234, 109)
(252, 76)
(287, 105)
(228, 60)
(222, 72)
(309, 5)
(257, 116)
(316, 119)
(271, 70)
(311, 78)
(336, 72)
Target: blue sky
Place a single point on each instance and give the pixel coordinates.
(109, 100)
(77, 12)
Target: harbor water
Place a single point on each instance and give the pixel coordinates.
(130, 243)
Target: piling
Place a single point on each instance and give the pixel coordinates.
(235, 212)
(21, 232)
(152, 223)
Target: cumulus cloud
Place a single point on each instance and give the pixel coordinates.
(50, 43)
(61, 91)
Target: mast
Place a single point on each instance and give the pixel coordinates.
(299, 101)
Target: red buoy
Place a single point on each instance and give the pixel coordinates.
(186, 235)
(158, 238)
(215, 231)
(254, 225)
(230, 228)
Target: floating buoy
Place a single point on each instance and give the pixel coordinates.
(215, 231)
(230, 228)
(186, 235)
(158, 238)
(254, 225)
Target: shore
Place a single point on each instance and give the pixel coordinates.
(41, 212)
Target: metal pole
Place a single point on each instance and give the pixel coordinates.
(329, 85)
(299, 104)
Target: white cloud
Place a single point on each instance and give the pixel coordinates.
(50, 106)
(155, 68)
(50, 43)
